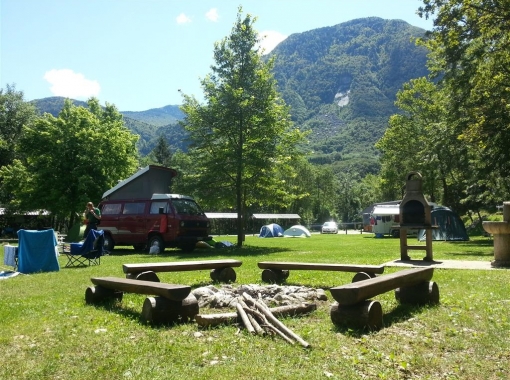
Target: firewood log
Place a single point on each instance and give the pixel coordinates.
(258, 330)
(210, 320)
(244, 318)
(279, 325)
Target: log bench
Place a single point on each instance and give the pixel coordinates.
(221, 270)
(275, 272)
(173, 303)
(353, 305)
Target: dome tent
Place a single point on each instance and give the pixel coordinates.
(449, 226)
(271, 230)
(297, 231)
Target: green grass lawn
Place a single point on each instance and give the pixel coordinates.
(48, 332)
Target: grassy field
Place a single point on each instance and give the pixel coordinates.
(48, 332)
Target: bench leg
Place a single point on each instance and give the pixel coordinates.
(363, 314)
(227, 274)
(275, 276)
(421, 294)
(144, 276)
(159, 310)
(98, 294)
(360, 276)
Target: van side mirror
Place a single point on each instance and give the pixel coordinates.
(161, 210)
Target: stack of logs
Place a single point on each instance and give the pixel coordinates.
(259, 319)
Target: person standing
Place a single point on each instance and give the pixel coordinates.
(93, 216)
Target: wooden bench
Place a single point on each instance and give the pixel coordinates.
(221, 270)
(354, 307)
(173, 303)
(275, 272)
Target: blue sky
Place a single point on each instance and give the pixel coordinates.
(137, 54)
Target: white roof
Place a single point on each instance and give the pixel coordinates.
(276, 216)
(221, 215)
(159, 197)
(386, 210)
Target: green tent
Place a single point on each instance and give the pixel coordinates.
(449, 226)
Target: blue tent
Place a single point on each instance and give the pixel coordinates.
(271, 230)
(449, 226)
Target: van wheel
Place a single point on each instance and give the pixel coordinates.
(156, 241)
(108, 242)
(395, 233)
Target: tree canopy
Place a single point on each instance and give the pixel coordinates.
(453, 126)
(68, 160)
(14, 114)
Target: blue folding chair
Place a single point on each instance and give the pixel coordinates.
(88, 252)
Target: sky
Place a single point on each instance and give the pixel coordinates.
(138, 54)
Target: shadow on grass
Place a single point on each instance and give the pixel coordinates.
(204, 253)
(473, 243)
(117, 307)
(472, 253)
(401, 313)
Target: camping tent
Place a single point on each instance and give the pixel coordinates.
(297, 231)
(271, 230)
(450, 226)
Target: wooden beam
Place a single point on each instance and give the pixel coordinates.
(170, 291)
(320, 266)
(180, 266)
(355, 292)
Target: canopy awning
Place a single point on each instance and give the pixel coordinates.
(276, 216)
(221, 215)
(386, 210)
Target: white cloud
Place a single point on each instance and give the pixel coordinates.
(212, 15)
(69, 84)
(182, 19)
(269, 40)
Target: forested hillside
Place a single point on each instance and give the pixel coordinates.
(149, 125)
(340, 82)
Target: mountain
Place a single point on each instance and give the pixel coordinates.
(340, 81)
(157, 116)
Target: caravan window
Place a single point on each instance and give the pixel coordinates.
(156, 205)
(111, 209)
(186, 207)
(134, 208)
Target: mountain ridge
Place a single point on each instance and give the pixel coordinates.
(340, 81)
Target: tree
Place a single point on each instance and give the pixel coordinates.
(242, 137)
(71, 159)
(161, 154)
(423, 138)
(14, 114)
(470, 55)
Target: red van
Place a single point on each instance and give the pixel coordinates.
(165, 220)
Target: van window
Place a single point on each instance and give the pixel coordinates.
(186, 207)
(156, 205)
(134, 208)
(111, 209)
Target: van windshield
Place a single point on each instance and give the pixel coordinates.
(186, 207)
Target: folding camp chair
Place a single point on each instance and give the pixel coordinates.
(88, 252)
